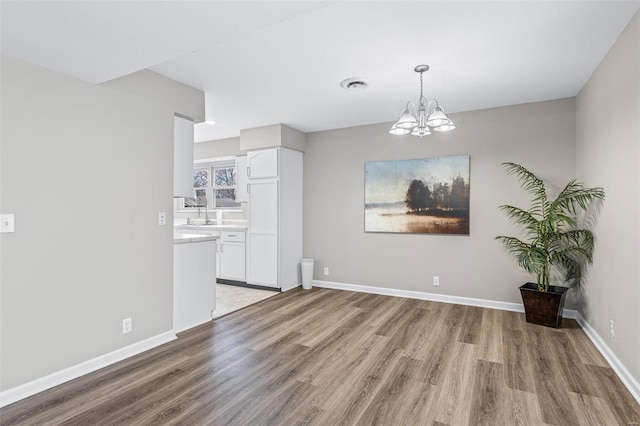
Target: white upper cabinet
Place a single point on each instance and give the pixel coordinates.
(182, 157)
(242, 180)
(262, 164)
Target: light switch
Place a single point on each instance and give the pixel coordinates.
(7, 223)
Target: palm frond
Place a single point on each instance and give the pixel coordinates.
(530, 182)
(577, 244)
(519, 216)
(575, 195)
(528, 256)
(512, 243)
(533, 260)
(564, 220)
(571, 269)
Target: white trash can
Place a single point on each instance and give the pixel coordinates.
(306, 267)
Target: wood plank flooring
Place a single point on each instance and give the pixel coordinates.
(329, 357)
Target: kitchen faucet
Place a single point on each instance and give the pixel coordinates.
(206, 215)
(206, 211)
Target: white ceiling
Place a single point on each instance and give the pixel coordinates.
(267, 62)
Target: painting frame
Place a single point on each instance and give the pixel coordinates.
(418, 196)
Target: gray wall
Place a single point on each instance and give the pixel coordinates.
(259, 137)
(540, 136)
(608, 155)
(85, 169)
(272, 136)
(155, 87)
(220, 148)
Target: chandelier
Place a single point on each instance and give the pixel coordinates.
(429, 115)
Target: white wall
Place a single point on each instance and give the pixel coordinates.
(85, 169)
(540, 136)
(608, 155)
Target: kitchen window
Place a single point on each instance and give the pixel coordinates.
(214, 185)
(224, 186)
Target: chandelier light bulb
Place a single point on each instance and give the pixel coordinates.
(445, 127)
(406, 120)
(438, 118)
(421, 131)
(398, 131)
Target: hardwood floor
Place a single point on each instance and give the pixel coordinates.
(329, 357)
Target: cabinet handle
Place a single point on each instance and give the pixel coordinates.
(231, 235)
(248, 171)
(248, 190)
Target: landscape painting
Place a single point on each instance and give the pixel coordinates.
(424, 196)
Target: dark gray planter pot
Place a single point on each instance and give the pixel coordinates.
(543, 308)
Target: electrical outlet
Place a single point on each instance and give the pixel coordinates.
(7, 223)
(436, 280)
(126, 326)
(162, 218)
(326, 270)
(612, 329)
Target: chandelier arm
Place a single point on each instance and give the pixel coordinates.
(432, 104)
(411, 107)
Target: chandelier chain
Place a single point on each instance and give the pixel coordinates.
(421, 95)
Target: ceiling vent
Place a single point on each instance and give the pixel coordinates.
(354, 84)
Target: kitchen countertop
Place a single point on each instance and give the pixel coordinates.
(223, 227)
(179, 238)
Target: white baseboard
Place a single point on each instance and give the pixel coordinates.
(629, 381)
(468, 301)
(201, 321)
(17, 393)
(291, 287)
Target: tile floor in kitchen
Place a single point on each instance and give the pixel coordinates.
(230, 298)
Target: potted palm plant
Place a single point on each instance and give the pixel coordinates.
(553, 241)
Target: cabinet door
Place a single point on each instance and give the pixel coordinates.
(262, 212)
(232, 265)
(263, 163)
(242, 180)
(262, 267)
(262, 242)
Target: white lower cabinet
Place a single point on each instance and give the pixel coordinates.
(232, 256)
(263, 259)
